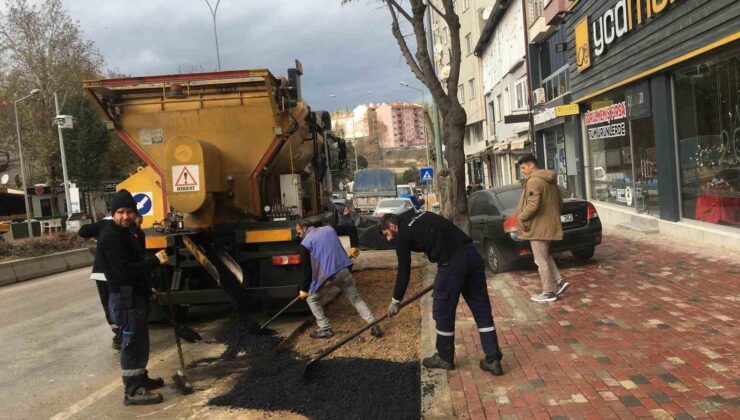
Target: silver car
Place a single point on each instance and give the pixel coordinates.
(393, 205)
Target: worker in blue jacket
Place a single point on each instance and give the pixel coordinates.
(327, 263)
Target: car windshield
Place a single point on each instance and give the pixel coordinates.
(509, 199)
(391, 203)
(404, 191)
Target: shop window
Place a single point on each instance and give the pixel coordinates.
(611, 154)
(707, 108)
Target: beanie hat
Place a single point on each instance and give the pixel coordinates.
(122, 199)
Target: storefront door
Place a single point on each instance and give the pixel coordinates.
(645, 168)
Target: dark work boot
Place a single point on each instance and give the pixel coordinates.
(153, 383)
(436, 362)
(376, 331)
(494, 367)
(322, 334)
(142, 397)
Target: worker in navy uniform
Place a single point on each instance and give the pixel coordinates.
(460, 271)
(128, 270)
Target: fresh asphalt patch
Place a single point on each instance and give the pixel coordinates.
(342, 387)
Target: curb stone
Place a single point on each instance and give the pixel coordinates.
(25, 269)
(436, 396)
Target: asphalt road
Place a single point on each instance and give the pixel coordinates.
(55, 347)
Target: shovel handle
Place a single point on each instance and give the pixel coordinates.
(367, 327)
(285, 308)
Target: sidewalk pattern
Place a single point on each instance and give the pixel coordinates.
(644, 331)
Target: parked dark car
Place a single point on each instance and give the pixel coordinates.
(490, 208)
(348, 214)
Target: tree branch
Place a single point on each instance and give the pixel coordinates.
(400, 9)
(435, 8)
(396, 30)
(453, 23)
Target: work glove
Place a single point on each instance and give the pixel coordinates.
(162, 257)
(303, 295)
(353, 252)
(394, 307)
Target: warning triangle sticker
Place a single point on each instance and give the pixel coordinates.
(186, 179)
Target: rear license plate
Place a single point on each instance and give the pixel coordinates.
(566, 218)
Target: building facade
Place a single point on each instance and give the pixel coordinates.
(402, 125)
(471, 15)
(556, 120)
(657, 83)
(502, 49)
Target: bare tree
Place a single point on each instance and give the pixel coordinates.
(42, 47)
(451, 181)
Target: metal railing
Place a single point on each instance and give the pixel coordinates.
(556, 84)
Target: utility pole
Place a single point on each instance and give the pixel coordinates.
(20, 159)
(64, 158)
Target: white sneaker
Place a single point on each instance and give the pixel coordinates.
(560, 287)
(545, 297)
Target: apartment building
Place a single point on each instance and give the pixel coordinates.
(402, 125)
(471, 14)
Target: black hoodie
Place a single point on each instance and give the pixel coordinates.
(123, 260)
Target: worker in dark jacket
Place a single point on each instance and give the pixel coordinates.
(93, 231)
(460, 270)
(127, 270)
(326, 262)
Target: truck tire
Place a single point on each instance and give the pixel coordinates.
(584, 254)
(495, 258)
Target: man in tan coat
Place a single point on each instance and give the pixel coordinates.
(539, 223)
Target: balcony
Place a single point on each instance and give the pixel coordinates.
(539, 30)
(555, 10)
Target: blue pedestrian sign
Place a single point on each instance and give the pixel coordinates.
(144, 204)
(426, 174)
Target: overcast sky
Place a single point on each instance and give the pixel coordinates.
(345, 50)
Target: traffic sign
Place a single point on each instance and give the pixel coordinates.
(144, 203)
(426, 174)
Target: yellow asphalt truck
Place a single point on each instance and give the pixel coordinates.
(233, 159)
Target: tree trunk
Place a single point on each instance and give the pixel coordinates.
(452, 183)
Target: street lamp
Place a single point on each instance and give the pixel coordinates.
(354, 134)
(426, 139)
(214, 10)
(424, 97)
(20, 158)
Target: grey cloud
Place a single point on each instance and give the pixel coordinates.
(345, 50)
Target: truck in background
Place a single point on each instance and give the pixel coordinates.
(371, 185)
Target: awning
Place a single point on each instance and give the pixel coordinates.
(519, 144)
(501, 147)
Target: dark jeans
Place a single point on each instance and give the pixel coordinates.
(104, 293)
(463, 275)
(132, 319)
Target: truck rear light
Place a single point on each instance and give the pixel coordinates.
(294, 259)
(591, 212)
(525, 251)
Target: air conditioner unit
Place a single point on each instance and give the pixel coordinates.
(539, 96)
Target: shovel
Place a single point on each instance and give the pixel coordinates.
(355, 334)
(285, 308)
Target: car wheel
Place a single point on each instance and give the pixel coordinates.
(495, 259)
(583, 253)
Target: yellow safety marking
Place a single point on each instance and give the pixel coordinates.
(271, 235)
(156, 242)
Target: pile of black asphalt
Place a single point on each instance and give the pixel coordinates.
(344, 387)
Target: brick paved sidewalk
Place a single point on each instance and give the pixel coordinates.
(645, 330)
